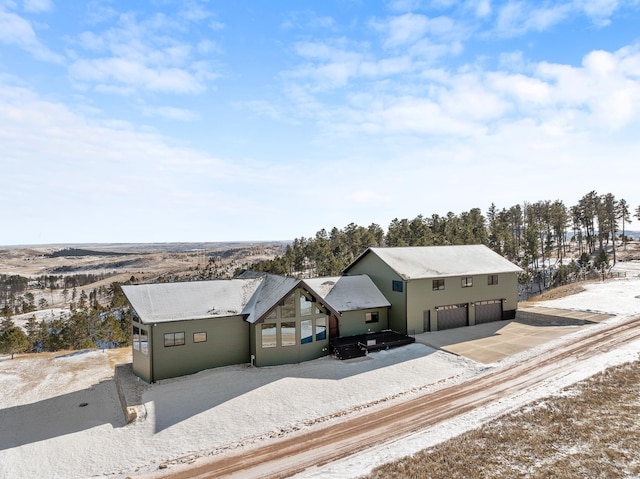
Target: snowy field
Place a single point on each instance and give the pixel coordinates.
(60, 416)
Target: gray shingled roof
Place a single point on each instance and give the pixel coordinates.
(270, 291)
(418, 262)
(163, 302)
(252, 296)
(348, 293)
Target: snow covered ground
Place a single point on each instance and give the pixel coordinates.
(60, 416)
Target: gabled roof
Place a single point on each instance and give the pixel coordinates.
(162, 302)
(270, 292)
(419, 262)
(251, 296)
(348, 293)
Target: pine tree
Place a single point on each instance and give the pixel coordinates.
(14, 341)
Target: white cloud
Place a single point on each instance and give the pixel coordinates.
(307, 20)
(404, 5)
(171, 113)
(598, 10)
(193, 11)
(135, 56)
(519, 17)
(134, 75)
(15, 30)
(406, 29)
(38, 5)
(481, 8)
(59, 165)
(607, 86)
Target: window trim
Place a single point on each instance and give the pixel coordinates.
(265, 326)
(373, 317)
(199, 337)
(287, 325)
(174, 341)
(320, 326)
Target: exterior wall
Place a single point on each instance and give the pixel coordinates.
(227, 342)
(353, 322)
(383, 276)
(286, 344)
(421, 297)
(142, 348)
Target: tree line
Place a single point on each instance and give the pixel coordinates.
(88, 324)
(529, 234)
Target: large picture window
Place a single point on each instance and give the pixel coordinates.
(288, 333)
(140, 340)
(306, 331)
(321, 329)
(288, 309)
(269, 338)
(306, 306)
(173, 339)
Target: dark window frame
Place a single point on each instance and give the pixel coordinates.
(372, 317)
(199, 336)
(492, 279)
(467, 281)
(397, 286)
(438, 285)
(172, 339)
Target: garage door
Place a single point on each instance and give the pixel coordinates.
(452, 316)
(488, 311)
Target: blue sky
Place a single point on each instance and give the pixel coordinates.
(163, 121)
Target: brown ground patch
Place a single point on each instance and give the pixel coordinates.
(590, 430)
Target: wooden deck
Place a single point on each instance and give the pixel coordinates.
(360, 345)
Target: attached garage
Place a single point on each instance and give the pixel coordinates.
(488, 311)
(452, 316)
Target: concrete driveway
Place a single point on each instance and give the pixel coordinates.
(491, 342)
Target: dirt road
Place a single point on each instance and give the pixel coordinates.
(286, 457)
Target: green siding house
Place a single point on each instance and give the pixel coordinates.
(432, 288)
(264, 320)
(259, 319)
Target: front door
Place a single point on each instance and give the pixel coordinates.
(334, 327)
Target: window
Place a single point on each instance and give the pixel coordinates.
(438, 284)
(268, 335)
(306, 306)
(200, 337)
(492, 279)
(288, 333)
(136, 338)
(289, 308)
(371, 317)
(467, 282)
(173, 339)
(397, 286)
(306, 331)
(321, 329)
(271, 315)
(140, 340)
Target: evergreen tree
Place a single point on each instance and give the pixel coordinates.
(13, 341)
